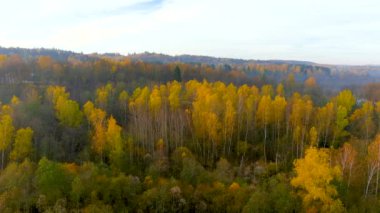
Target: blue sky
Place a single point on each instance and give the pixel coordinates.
(324, 31)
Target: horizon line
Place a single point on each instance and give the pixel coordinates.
(127, 54)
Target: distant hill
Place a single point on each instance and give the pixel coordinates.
(60, 55)
(327, 75)
(195, 59)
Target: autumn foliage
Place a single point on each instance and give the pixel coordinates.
(118, 135)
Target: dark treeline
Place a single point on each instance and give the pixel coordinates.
(112, 134)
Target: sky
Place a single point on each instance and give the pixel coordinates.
(322, 31)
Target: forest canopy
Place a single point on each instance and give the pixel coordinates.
(110, 133)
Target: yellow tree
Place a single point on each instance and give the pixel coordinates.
(213, 127)
(22, 146)
(3, 59)
(306, 119)
(251, 105)
(229, 124)
(229, 119)
(206, 122)
(155, 101)
(68, 112)
(267, 90)
(310, 82)
(94, 115)
(15, 101)
(113, 135)
(279, 106)
(300, 119)
(140, 117)
(177, 120)
(114, 142)
(313, 137)
(296, 115)
(364, 118)
(191, 88)
(99, 140)
(96, 118)
(54, 92)
(264, 117)
(346, 99)
(156, 115)
(314, 177)
(45, 62)
(174, 95)
(88, 108)
(280, 90)
(6, 134)
(290, 82)
(161, 118)
(245, 111)
(103, 94)
(324, 120)
(377, 109)
(6, 110)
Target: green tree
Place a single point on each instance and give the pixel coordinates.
(341, 123)
(177, 74)
(273, 195)
(68, 112)
(52, 180)
(16, 188)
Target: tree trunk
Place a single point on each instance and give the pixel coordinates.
(265, 142)
(370, 175)
(2, 160)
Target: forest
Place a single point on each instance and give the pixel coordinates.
(110, 133)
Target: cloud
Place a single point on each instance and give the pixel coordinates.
(143, 7)
(339, 31)
(146, 6)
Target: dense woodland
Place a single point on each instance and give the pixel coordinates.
(105, 133)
